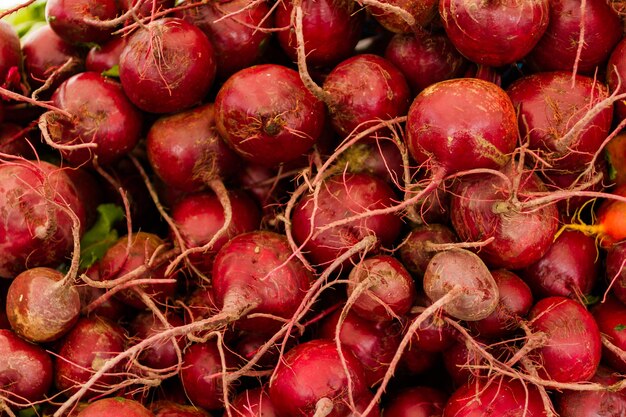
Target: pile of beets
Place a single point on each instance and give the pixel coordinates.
(318, 208)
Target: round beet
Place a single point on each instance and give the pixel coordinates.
(15, 140)
(164, 408)
(106, 57)
(364, 90)
(107, 407)
(549, 107)
(616, 270)
(90, 343)
(267, 115)
(147, 7)
(416, 250)
(342, 197)
(616, 75)
(463, 363)
(515, 301)
(422, 11)
(298, 385)
(558, 47)
(569, 268)
(41, 306)
(10, 53)
(475, 293)
(416, 402)
(201, 374)
(480, 210)
(373, 344)
(434, 334)
(611, 319)
(72, 19)
(380, 158)
(425, 59)
(494, 33)
(167, 66)
(111, 122)
(388, 290)
(253, 402)
(237, 30)
(596, 403)
(163, 354)
(331, 30)
(462, 124)
(258, 270)
(25, 369)
(189, 141)
(573, 348)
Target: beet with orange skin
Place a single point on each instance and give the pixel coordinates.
(106, 407)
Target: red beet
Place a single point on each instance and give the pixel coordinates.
(616, 75)
(573, 348)
(495, 397)
(267, 115)
(330, 30)
(200, 305)
(433, 335)
(558, 46)
(10, 53)
(549, 107)
(115, 406)
(461, 124)
(240, 39)
(463, 363)
(163, 354)
(515, 302)
(167, 66)
(341, 197)
(422, 11)
(106, 57)
(425, 59)
(388, 289)
(298, 384)
(253, 402)
(416, 402)
(569, 268)
(147, 7)
(70, 19)
(25, 369)
(188, 140)
(111, 122)
(258, 270)
(363, 90)
(247, 345)
(14, 140)
(380, 158)
(34, 228)
(611, 319)
(494, 33)
(373, 344)
(594, 403)
(415, 252)
(83, 351)
(201, 374)
(616, 270)
(480, 210)
(40, 306)
(172, 409)
(416, 361)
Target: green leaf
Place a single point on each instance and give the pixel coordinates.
(611, 168)
(590, 300)
(114, 71)
(101, 236)
(620, 327)
(30, 411)
(27, 18)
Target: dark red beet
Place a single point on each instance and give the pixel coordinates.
(380, 158)
(415, 253)
(461, 363)
(572, 350)
(120, 259)
(201, 374)
(111, 122)
(33, 230)
(200, 305)
(163, 354)
(115, 406)
(90, 191)
(147, 7)
(262, 182)
(14, 140)
(341, 197)
(616, 270)
(373, 344)
(616, 75)
(25, 369)
(172, 409)
(549, 106)
(598, 403)
(425, 59)
(189, 141)
(433, 335)
(558, 47)
(515, 302)
(247, 344)
(167, 66)
(70, 19)
(495, 397)
(298, 384)
(416, 402)
(364, 90)
(253, 402)
(10, 53)
(200, 216)
(258, 270)
(267, 115)
(611, 319)
(423, 11)
(416, 361)
(239, 40)
(44, 53)
(461, 124)
(40, 307)
(570, 268)
(331, 30)
(480, 210)
(389, 290)
(83, 351)
(106, 57)
(494, 33)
